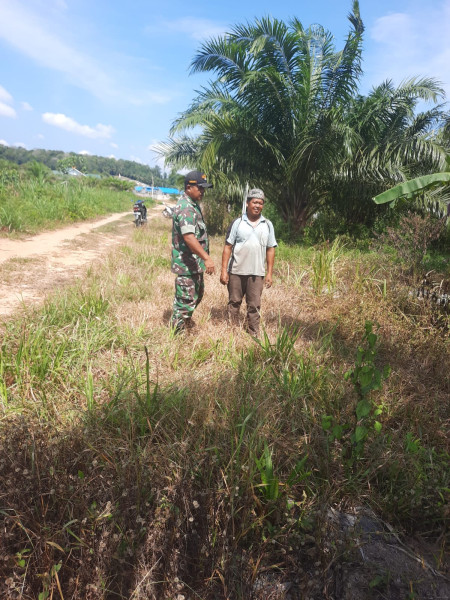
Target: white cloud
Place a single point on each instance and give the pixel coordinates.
(198, 29)
(111, 156)
(137, 159)
(411, 44)
(85, 152)
(3, 143)
(41, 33)
(68, 124)
(7, 111)
(20, 145)
(5, 101)
(26, 106)
(35, 37)
(113, 145)
(5, 96)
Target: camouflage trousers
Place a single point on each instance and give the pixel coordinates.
(188, 295)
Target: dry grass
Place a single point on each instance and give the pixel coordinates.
(135, 476)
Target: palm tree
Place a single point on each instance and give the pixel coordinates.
(393, 144)
(279, 114)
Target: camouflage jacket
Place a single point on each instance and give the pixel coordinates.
(187, 218)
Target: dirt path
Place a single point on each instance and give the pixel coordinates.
(31, 268)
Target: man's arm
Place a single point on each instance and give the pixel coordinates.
(226, 255)
(270, 257)
(196, 248)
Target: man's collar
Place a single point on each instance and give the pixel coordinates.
(189, 199)
(261, 218)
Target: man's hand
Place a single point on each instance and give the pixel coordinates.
(224, 277)
(268, 281)
(210, 267)
(196, 248)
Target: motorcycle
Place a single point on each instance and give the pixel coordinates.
(168, 211)
(140, 213)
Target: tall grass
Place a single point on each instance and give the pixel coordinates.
(139, 465)
(30, 204)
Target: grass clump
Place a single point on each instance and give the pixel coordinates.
(139, 465)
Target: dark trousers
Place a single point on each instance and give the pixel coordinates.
(250, 286)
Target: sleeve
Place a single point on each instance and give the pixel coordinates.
(271, 242)
(186, 221)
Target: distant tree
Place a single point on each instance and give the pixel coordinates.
(39, 171)
(72, 161)
(173, 179)
(56, 159)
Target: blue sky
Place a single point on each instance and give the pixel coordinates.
(108, 77)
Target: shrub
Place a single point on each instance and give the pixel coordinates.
(217, 215)
(412, 237)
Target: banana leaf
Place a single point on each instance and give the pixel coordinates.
(410, 188)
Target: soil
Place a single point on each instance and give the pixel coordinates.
(32, 267)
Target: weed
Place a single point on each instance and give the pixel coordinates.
(324, 265)
(366, 378)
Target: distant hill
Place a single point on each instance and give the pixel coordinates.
(90, 164)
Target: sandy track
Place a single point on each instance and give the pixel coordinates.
(44, 243)
(30, 268)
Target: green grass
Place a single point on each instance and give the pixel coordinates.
(147, 465)
(31, 205)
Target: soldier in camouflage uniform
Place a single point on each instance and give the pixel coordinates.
(190, 250)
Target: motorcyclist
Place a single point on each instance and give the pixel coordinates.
(142, 208)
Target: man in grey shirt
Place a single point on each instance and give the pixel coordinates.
(250, 244)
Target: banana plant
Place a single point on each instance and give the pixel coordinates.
(413, 187)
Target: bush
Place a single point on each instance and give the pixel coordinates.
(216, 214)
(412, 237)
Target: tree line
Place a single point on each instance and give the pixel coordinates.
(59, 160)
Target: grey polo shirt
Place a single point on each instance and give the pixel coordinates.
(249, 246)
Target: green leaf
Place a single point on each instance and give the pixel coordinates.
(327, 421)
(338, 431)
(377, 426)
(376, 383)
(21, 562)
(372, 339)
(365, 377)
(412, 187)
(368, 326)
(360, 433)
(363, 409)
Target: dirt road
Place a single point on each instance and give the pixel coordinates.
(31, 268)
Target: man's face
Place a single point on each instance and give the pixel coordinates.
(254, 207)
(195, 192)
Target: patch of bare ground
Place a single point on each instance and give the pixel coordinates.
(33, 267)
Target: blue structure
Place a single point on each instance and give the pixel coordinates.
(164, 190)
(169, 190)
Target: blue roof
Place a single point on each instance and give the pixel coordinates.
(169, 190)
(164, 190)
